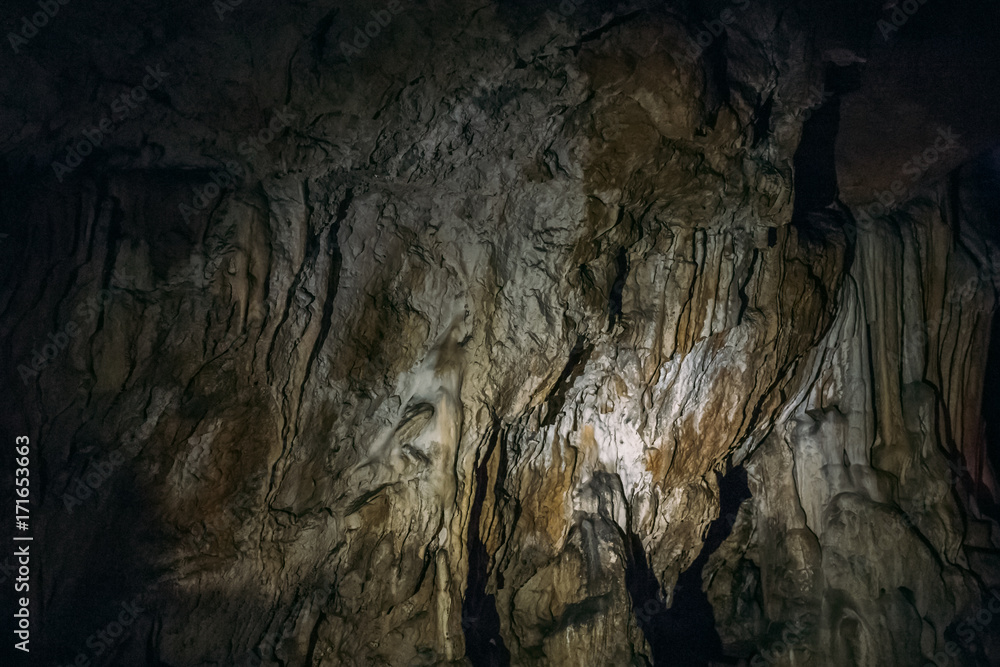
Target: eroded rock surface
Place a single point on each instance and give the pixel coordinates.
(458, 371)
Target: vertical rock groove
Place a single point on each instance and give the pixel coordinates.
(480, 622)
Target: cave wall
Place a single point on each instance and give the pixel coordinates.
(465, 346)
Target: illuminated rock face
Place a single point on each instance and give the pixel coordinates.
(854, 531)
(461, 370)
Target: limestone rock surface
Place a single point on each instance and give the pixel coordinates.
(506, 345)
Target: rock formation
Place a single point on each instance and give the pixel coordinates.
(500, 334)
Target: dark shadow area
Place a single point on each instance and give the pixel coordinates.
(480, 621)
(578, 357)
(991, 411)
(815, 168)
(617, 288)
(975, 212)
(684, 633)
(815, 159)
(762, 125)
(975, 639)
(107, 601)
